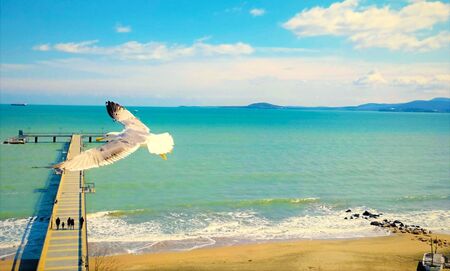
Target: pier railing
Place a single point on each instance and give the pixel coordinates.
(26, 137)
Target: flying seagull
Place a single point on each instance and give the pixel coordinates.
(120, 144)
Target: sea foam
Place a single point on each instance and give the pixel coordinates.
(248, 226)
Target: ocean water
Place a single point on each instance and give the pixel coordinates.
(237, 175)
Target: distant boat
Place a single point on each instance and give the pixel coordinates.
(18, 104)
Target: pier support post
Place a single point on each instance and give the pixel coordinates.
(54, 139)
(35, 139)
(90, 139)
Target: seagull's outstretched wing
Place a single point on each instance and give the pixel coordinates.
(122, 115)
(101, 156)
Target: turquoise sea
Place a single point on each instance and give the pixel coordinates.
(237, 175)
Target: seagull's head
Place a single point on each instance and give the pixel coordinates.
(108, 137)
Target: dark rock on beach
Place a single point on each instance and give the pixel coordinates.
(367, 213)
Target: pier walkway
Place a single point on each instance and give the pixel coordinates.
(67, 249)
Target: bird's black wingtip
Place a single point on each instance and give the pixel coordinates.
(109, 108)
(112, 108)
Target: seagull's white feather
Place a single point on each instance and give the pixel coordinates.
(122, 144)
(160, 144)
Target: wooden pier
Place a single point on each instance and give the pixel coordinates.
(23, 138)
(67, 249)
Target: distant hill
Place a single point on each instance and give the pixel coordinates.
(435, 105)
(264, 106)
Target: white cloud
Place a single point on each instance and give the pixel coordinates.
(76, 47)
(123, 29)
(6, 67)
(42, 47)
(236, 9)
(257, 12)
(408, 28)
(285, 50)
(203, 39)
(440, 81)
(411, 81)
(372, 78)
(154, 50)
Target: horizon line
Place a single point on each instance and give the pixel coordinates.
(173, 106)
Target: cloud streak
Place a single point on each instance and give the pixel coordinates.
(440, 81)
(42, 47)
(412, 81)
(122, 29)
(256, 12)
(372, 78)
(409, 28)
(157, 51)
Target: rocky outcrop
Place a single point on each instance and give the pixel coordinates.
(398, 227)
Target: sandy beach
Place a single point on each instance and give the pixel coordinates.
(395, 252)
(398, 252)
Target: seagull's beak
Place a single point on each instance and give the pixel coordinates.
(163, 156)
(99, 139)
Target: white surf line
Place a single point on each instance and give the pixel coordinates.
(141, 248)
(213, 242)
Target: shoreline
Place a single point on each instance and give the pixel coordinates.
(115, 248)
(394, 252)
(346, 225)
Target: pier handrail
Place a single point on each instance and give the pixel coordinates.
(85, 222)
(68, 134)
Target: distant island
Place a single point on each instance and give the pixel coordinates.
(441, 105)
(265, 106)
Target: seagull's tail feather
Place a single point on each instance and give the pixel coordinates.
(160, 144)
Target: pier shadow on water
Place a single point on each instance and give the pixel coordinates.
(32, 242)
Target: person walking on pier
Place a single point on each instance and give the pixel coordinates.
(81, 223)
(69, 223)
(62, 225)
(57, 223)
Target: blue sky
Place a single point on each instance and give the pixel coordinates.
(224, 52)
